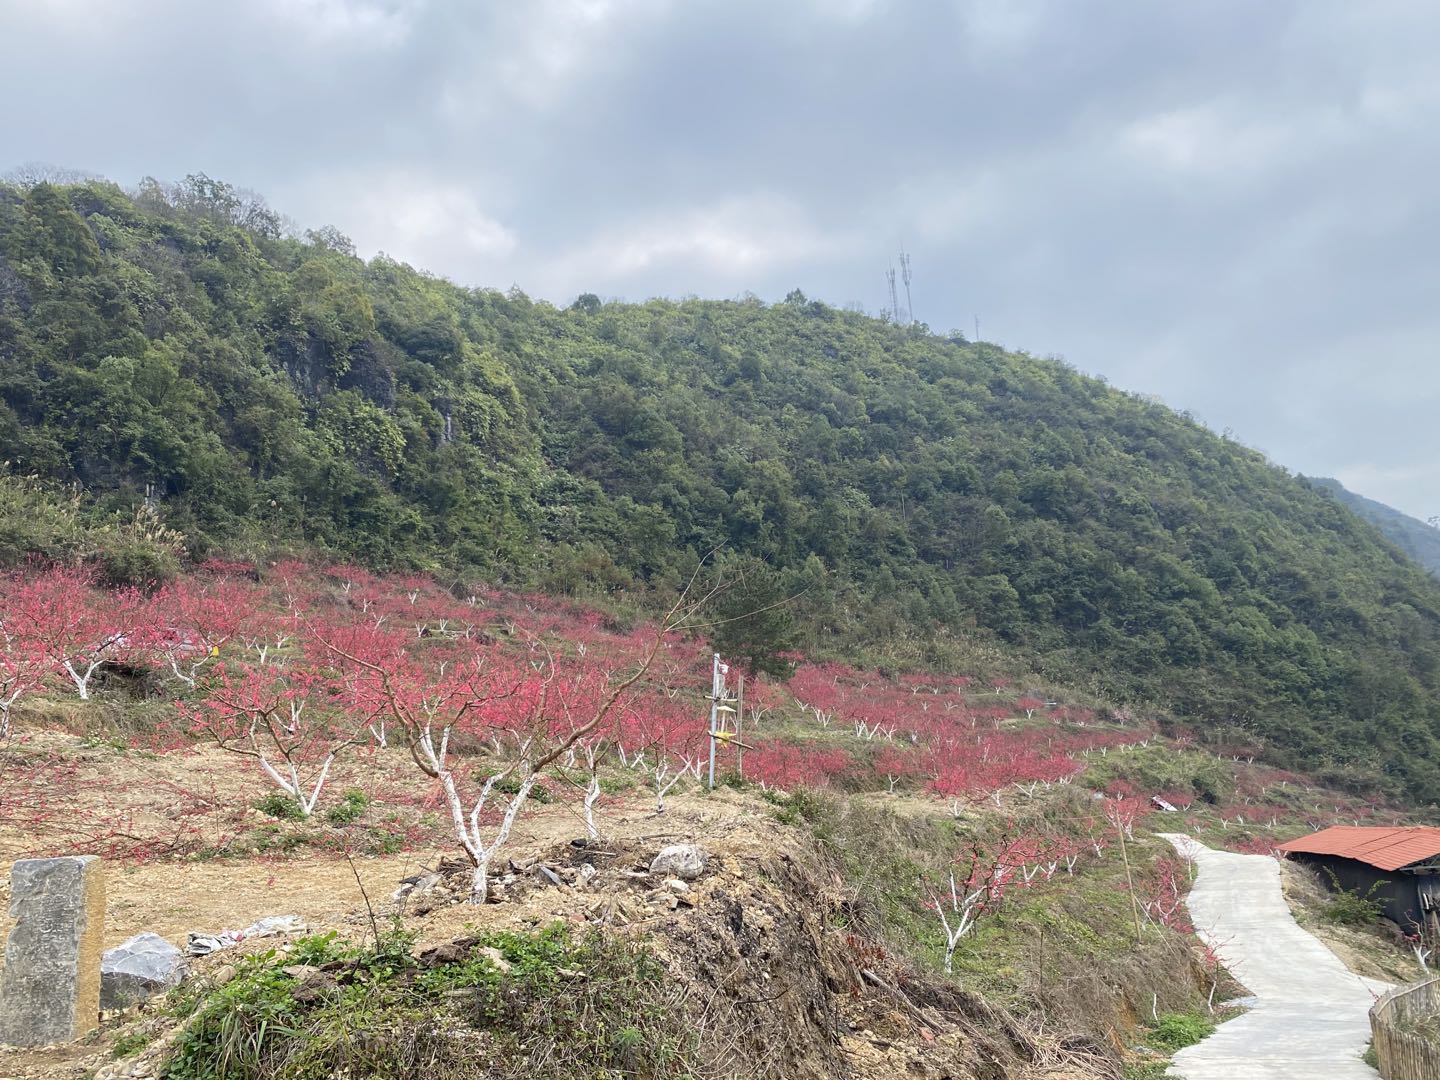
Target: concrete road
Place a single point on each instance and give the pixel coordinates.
(1311, 1017)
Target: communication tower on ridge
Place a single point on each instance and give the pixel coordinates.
(903, 316)
(905, 275)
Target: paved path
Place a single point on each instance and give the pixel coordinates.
(1311, 1018)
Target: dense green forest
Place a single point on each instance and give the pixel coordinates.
(170, 353)
(1411, 535)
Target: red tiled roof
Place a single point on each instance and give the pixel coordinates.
(1387, 848)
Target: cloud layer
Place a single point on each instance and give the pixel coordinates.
(1226, 204)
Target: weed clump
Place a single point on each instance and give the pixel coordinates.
(349, 809)
(281, 807)
(1175, 1031)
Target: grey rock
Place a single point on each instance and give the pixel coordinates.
(136, 969)
(684, 861)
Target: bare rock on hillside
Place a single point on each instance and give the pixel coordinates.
(684, 861)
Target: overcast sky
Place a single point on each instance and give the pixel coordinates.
(1231, 205)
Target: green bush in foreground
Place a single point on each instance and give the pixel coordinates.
(534, 1005)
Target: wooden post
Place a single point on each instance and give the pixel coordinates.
(1129, 881)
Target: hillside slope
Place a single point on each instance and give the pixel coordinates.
(266, 391)
(1411, 535)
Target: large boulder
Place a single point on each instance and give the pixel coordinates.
(685, 861)
(135, 969)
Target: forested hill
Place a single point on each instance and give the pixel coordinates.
(272, 392)
(1412, 536)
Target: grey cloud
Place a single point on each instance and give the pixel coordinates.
(1226, 203)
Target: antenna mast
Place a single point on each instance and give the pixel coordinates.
(905, 275)
(894, 297)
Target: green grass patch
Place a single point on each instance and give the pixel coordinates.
(543, 1004)
(1175, 1031)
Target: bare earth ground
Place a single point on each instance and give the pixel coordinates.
(174, 896)
(754, 926)
(206, 797)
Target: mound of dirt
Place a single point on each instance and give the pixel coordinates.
(762, 949)
(758, 945)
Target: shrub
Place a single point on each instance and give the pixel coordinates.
(280, 806)
(349, 809)
(1348, 908)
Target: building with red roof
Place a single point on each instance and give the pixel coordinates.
(1397, 865)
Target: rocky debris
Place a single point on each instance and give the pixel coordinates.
(202, 944)
(128, 1070)
(685, 861)
(138, 968)
(417, 885)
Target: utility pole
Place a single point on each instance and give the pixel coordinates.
(717, 688)
(740, 727)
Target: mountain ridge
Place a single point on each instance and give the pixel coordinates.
(1418, 540)
(170, 349)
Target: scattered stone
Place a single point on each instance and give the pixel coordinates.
(417, 885)
(450, 952)
(312, 983)
(139, 968)
(545, 873)
(687, 861)
(586, 875)
(489, 952)
(676, 885)
(223, 975)
(50, 988)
